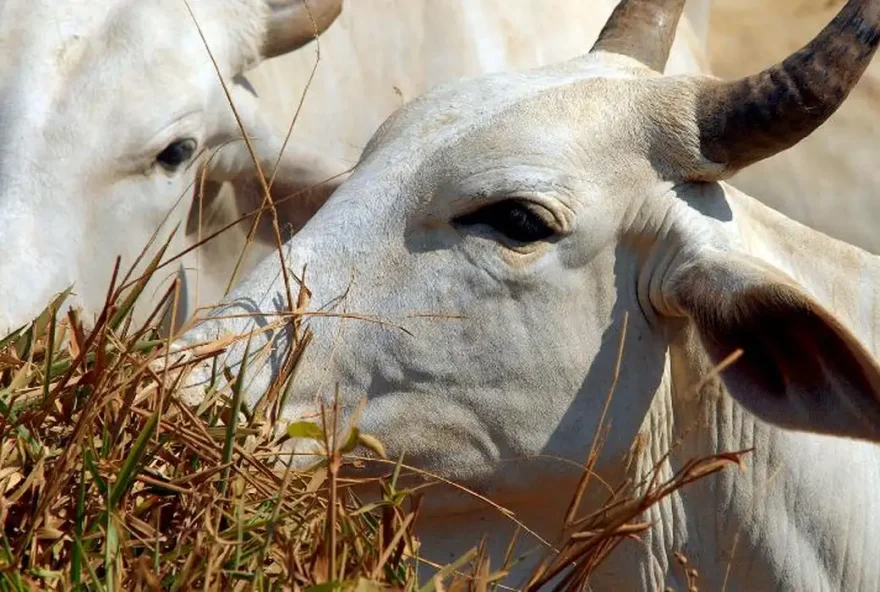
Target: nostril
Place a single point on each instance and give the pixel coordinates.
(192, 379)
(195, 384)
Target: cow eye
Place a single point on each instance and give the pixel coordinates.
(515, 219)
(177, 153)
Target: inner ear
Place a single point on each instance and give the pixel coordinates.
(295, 203)
(216, 205)
(800, 367)
(785, 339)
(301, 179)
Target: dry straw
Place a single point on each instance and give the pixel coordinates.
(108, 482)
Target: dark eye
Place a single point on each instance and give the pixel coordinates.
(515, 219)
(177, 153)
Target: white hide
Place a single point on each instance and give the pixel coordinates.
(487, 362)
(91, 93)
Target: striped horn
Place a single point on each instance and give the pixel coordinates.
(754, 118)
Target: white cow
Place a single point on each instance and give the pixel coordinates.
(109, 107)
(508, 222)
(106, 108)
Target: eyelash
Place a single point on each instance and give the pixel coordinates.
(514, 219)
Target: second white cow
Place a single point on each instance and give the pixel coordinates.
(107, 108)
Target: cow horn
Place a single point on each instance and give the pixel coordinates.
(754, 118)
(642, 29)
(293, 23)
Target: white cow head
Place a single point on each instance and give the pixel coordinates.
(496, 230)
(107, 108)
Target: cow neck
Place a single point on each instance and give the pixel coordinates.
(803, 512)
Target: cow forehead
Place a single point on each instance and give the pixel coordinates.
(485, 136)
(449, 112)
(58, 22)
(41, 34)
(44, 43)
(37, 39)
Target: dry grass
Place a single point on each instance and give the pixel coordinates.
(107, 482)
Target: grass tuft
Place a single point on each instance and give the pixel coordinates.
(109, 482)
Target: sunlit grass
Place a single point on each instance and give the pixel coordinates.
(109, 482)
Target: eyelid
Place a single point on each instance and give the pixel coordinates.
(549, 206)
(188, 125)
(140, 158)
(558, 206)
(539, 210)
(514, 219)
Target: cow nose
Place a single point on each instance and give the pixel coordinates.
(197, 377)
(260, 327)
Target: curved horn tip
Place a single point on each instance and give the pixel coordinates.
(743, 122)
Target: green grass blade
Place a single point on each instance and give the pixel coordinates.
(305, 429)
(396, 474)
(76, 561)
(39, 326)
(229, 443)
(448, 570)
(92, 574)
(12, 336)
(111, 550)
(132, 462)
(48, 315)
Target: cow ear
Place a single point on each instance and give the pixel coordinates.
(293, 23)
(301, 179)
(800, 367)
(297, 192)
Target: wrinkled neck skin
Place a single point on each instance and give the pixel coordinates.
(803, 513)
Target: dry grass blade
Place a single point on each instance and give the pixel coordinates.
(264, 184)
(600, 532)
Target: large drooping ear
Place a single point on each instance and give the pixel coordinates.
(800, 368)
(293, 23)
